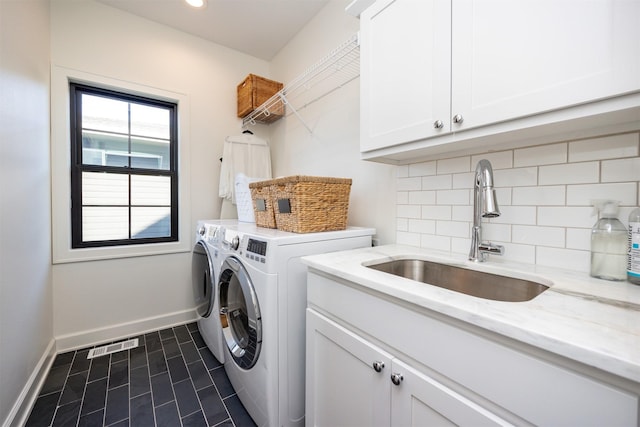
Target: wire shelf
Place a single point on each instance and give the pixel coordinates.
(336, 69)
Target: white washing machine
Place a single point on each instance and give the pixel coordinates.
(205, 269)
(263, 295)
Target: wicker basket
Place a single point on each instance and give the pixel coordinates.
(262, 203)
(306, 204)
(253, 91)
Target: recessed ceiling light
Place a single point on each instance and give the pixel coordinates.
(196, 3)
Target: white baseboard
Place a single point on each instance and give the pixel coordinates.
(122, 330)
(22, 407)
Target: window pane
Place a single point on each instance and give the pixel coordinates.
(150, 153)
(150, 190)
(105, 149)
(105, 114)
(149, 121)
(150, 222)
(105, 189)
(105, 223)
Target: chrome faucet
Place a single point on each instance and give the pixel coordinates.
(485, 205)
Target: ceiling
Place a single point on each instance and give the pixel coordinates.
(259, 28)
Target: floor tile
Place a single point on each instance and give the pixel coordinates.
(167, 415)
(171, 379)
(43, 410)
(139, 382)
(141, 410)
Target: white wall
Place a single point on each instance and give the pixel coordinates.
(544, 193)
(120, 295)
(332, 148)
(26, 335)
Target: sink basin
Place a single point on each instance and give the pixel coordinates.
(470, 282)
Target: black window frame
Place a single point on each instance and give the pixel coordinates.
(76, 90)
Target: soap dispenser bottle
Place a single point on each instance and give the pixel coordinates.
(633, 262)
(609, 239)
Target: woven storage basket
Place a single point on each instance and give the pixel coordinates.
(263, 203)
(253, 91)
(306, 204)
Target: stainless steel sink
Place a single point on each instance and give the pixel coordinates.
(471, 282)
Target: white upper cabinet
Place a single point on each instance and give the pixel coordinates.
(405, 57)
(517, 58)
(432, 71)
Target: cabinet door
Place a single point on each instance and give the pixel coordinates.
(518, 58)
(421, 401)
(405, 55)
(342, 386)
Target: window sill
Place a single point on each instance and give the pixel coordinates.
(115, 252)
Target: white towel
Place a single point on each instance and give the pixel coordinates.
(245, 154)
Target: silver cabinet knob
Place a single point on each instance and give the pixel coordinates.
(438, 124)
(378, 366)
(396, 378)
(458, 119)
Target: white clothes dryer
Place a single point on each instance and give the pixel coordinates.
(205, 269)
(263, 293)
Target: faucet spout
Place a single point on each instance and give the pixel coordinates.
(485, 205)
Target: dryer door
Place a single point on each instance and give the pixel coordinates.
(239, 313)
(202, 278)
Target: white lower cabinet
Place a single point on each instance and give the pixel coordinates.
(374, 361)
(357, 384)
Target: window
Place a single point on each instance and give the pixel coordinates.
(124, 181)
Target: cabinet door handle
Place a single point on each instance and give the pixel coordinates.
(438, 124)
(458, 119)
(396, 378)
(378, 366)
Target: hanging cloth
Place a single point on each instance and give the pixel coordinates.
(247, 154)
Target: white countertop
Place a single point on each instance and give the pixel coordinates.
(595, 322)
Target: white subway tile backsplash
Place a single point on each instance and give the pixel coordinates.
(452, 228)
(408, 211)
(454, 165)
(422, 197)
(519, 177)
(410, 239)
(536, 196)
(496, 232)
(566, 216)
(437, 182)
(452, 197)
(422, 226)
(539, 236)
(544, 194)
(607, 147)
(462, 180)
(409, 184)
(499, 160)
(402, 171)
(433, 241)
(436, 212)
(578, 238)
(524, 215)
(583, 195)
(462, 213)
(541, 155)
(423, 169)
(621, 170)
(402, 198)
(573, 173)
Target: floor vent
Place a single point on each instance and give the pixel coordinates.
(112, 348)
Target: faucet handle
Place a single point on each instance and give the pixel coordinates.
(490, 248)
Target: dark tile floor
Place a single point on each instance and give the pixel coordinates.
(170, 379)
